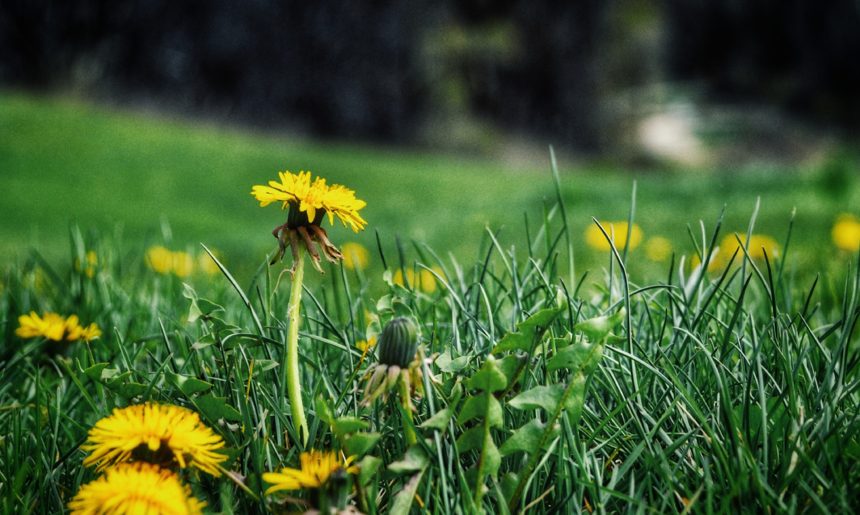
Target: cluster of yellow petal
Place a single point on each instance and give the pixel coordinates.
(658, 249)
(311, 196)
(759, 246)
(158, 428)
(55, 327)
(355, 256)
(316, 468)
(136, 488)
(617, 231)
(846, 233)
(90, 264)
(179, 263)
(424, 280)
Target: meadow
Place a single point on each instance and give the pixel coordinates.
(461, 368)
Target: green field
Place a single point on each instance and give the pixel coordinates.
(540, 391)
(133, 174)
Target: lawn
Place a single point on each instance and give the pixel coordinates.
(510, 383)
(151, 179)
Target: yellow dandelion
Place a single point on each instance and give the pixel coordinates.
(758, 245)
(132, 488)
(846, 233)
(92, 260)
(424, 280)
(366, 345)
(355, 256)
(207, 264)
(182, 264)
(313, 196)
(157, 433)
(160, 259)
(617, 231)
(658, 249)
(316, 469)
(52, 326)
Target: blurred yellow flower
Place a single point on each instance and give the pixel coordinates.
(55, 327)
(355, 256)
(179, 263)
(658, 249)
(424, 280)
(135, 488)
(758, 245)
(160, 259)
(162, 434)
(365, 345)
(92, 260)
(316, 468)
(207, 264)
(846, 233)
(617, 231)
(182, 263)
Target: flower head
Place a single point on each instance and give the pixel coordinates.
(846, 233)
(308, 201)
(355, 256)
(759, 244)
(317, 467)
(617, 231)
(136, 488)
(423, 280)
(399, 361)
(658, 249)
(52, 326)
(156, 433)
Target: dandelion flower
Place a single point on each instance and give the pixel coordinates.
(182, 263)
(355, 256)
(366, 345)
(52, 326)
(759, 244)
(160, 259)
(136, 488)
(91, 261)
(163, 434)
(316, 469)
(424, 280)
(846, 233)
(617, 231)
(308, 201)
(658, 249)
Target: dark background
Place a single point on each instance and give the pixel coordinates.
(395, 71)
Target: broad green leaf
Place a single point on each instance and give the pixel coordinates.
(452, 365)
(482, 406)
(358, 444)
(470, 439)
(529, 329)
(508, 484)
(414, 460)
(541, 319)
(597, 328)
(526, 439)
(489, 378)
(514, 341)
(403, 500)
(510, 365)
(94, 372)
(439, 421)
(581, 355)
(216, 408)
(187, 384)
(367, 468)
(544, 397)
(345, 425)
(490, 458)
(323, 410)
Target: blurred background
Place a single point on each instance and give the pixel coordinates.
(151, 119)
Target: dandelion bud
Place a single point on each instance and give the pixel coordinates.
(398, 342)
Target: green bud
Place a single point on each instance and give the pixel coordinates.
(398, 342)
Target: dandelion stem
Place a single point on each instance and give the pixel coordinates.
(411, 438)
(294, 385)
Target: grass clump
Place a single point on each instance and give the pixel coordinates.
(531, 389)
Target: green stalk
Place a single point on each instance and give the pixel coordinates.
(411, 437)
(294, 385)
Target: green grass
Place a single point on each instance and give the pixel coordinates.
(730, 392)
(151, 179)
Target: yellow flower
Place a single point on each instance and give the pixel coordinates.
(161, 433)
(312, 197)
(365, 345)
(658, 249)
(207, 264)
(55, 327)
(316, 468)
(617, 231)
(182, 263)
(92, 260)
(758, 245)
(355, 256)
(160, 259)
(136, 488)
(424, 280)
(846, 233)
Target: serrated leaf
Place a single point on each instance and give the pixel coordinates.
(188, 385)
(527, 330)
(452, 365)
(94, 372)
(403, 500)
(127, 389)
(490, 458)
(544, 397)
(511, 365)
(508, 484)
(323, 410)
(489, 378)
(358, 444)
(482, 406)
(367, 468)
(526, 439)
(345, 425)
(580, 356)
(439, 421)
(216, 408)
(597, 328)
(514, 341)
(413, 460)
(541, 319)
(470, 439)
